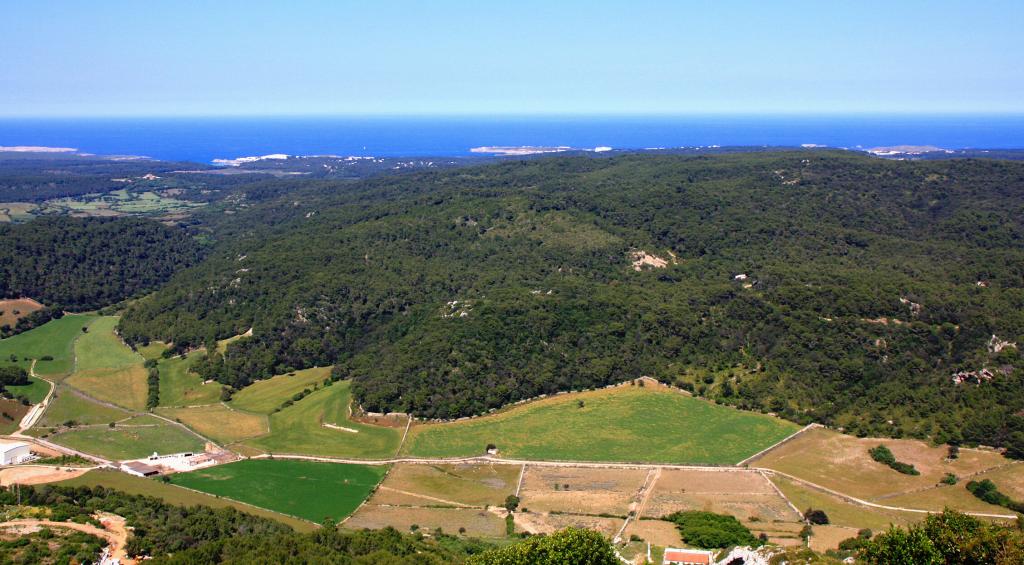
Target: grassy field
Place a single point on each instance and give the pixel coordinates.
(13, 309)
(840, 512)
(263, 396)
(55, 338)
(66, 405)
(220, 423)
(129, 442)
(152, 351)
(175, 495)
(627, 423)
(101, 348)
(35, 391)
(298, 429)
(471, 485)
(842, 463)
(178, 387)
(478, 522)
(300, 488)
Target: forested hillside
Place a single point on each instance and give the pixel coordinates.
(84, 264)
(824, 286)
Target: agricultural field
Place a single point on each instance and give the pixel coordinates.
(172, 494)
(841, 512)
(16, 211)
(13, 309)
(129, 442)
(626, 423)
(107, 369)
(219, 422)
(305, 489)
(35, 391)
(101, 348)
(179, 387)
(581, 490)
(66, 405)
(120, 202)
(55, 338)
(266, 395)
(299, 429)
(841, 462)
(11, 413)
(476, 521)
(477, 485)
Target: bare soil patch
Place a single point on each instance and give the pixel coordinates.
(746, 495)
(581, 490)
(37, 475)
(478, 522)
(14, 309)
(473, 485)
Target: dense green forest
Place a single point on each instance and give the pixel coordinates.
(84, 264)
(823, 286)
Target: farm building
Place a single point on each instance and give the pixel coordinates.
(687, 557)
(139, 469)
(12, 452)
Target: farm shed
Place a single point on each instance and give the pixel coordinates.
(14, 452)
(687, 557)
(139, 469)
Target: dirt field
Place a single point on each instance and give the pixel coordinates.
(657, 532)
(580, 490)
(478, 522)
(471, 485)
(13, 309)
(37, 475)
(828, 537)
(842, 463)
(745, 495)
(546, 523)
(842, 513)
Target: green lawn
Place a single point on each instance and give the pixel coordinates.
(101, 348)
(67, 405)
(174, 495)
(129, 443)
(35, 391)
(297, 429)
(629, 424)
(263, 396)
(178, 387)
(305, 489)
(55, 338)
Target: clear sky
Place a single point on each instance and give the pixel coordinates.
(220, 57)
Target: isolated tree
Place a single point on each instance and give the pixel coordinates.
(511, 502)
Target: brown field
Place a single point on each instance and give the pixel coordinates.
(13, 309)
(842, 513)
(37, 475)
(828, 537)
(11, 413)
(471, 485)
(1010, 480)
(220, 423)
(478, 522)
(591, 491)
(940, 497)
(124, 387)
(841, 462)
(657, 532)
(548, 523)
(743, 494)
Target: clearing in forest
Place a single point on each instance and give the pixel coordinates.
(35, 391)
(266, 395)
(841, 462)
(55, 339)
(299, 429)
(175, 495)
(306, 489)
(179, 387)
(624, 423)
(13, 309)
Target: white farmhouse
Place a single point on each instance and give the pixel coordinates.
(12, 452)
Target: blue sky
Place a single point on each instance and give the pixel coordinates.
(156, 57)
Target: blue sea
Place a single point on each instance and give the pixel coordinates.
(205, 139)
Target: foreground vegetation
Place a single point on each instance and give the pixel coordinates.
(627, 423)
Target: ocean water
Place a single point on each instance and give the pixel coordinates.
(205, 139)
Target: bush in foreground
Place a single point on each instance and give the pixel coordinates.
(571, 545)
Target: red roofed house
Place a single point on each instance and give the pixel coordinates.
(688, 557)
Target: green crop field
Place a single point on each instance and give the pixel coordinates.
(129, 442)
(66, 405)
(305, 489)
(172, 494)
(55, 338)
(263, 396)
(35, 391)
(101, 348)
(628, 423)
(299, 429)
(178, 387)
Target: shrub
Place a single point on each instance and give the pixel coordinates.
(711, 531)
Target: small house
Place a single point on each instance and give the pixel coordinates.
(687, 557)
